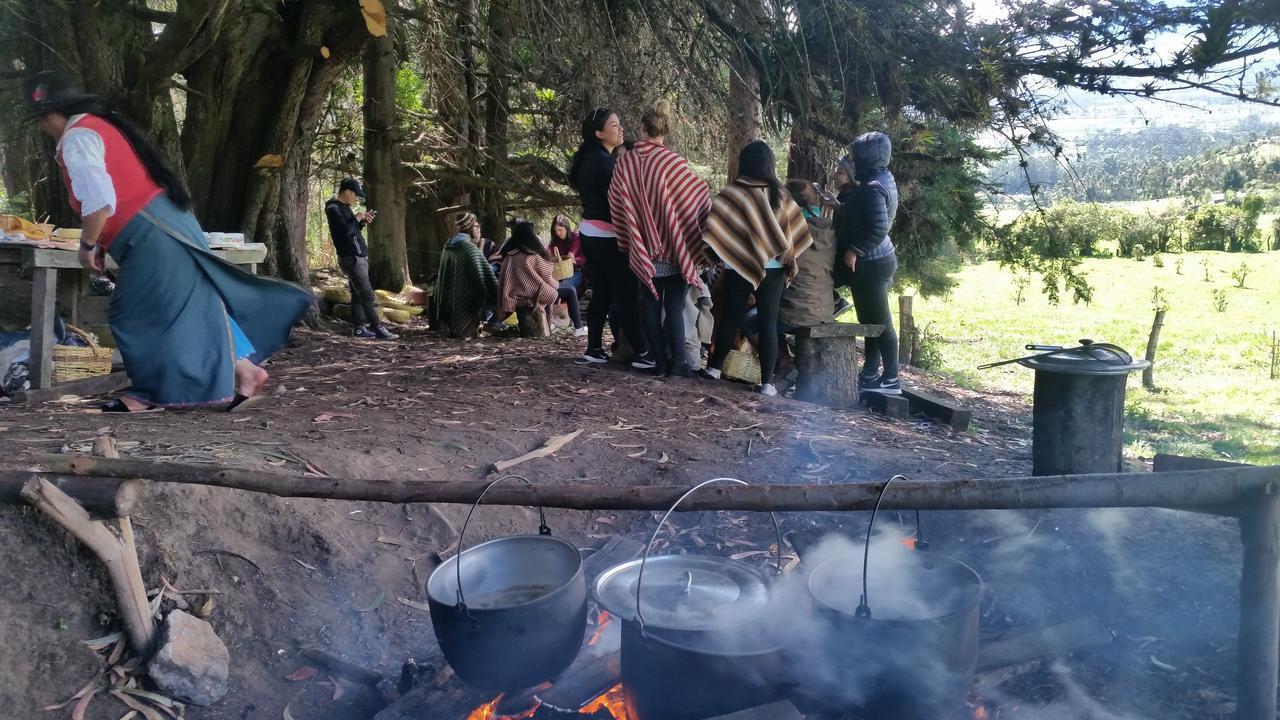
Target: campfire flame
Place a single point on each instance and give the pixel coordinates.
(489, 711)
(614, 701)
(601, 622)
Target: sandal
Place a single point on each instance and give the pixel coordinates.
(118, 406)
(243, 402)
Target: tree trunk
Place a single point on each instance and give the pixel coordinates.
(746, 115)
(492, 201)
(1153, 344)
(802, 151)
(388, 255)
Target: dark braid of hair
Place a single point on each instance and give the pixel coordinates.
(150, 156)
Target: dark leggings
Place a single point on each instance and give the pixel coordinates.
(734, 296)
(611, 282)
(664, 321)
(871, 282)
(569, 296)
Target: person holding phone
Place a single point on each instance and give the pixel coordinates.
(346, 228)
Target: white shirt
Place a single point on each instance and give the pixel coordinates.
(85, 157)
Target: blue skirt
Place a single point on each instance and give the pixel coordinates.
(182, 317)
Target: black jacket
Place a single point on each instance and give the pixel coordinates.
(345, 229)
(595, 172)
(867, 208)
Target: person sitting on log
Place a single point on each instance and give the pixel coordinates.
(758, 232)
(565, 240)
(192, 328)
(865, 257)
(526, 281)
(465, 285)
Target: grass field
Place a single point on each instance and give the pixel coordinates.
(1214, 398)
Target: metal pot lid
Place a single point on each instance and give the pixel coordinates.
(685, 592)
(1093, 359)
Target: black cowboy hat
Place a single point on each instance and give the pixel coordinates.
(51, 91)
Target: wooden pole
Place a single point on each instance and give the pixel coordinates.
(1180, 489)
(1259, 637)
(1275, 351)
(1153, 343)
(906, 326)
(114, 552)
(102, 497)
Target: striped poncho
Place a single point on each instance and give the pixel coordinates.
(745, 233)
(659, 207)
(526, 281)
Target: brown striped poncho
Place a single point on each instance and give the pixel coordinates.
(745, 232)
(658, 206)
(526, 281)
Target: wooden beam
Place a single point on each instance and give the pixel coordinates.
(102, 497)
(247, 254)
(939, 408)
(44, 287)
(1042, 643)
(131, 593)
(1167, 463)
(894, 406)
(1186, 489)
(89, 387)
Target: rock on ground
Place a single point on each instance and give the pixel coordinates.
(191, 663)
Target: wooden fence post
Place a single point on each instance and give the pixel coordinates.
(1153, 343)
(1259, 638)
(906, 327)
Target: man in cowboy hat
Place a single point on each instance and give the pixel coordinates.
(346, 228)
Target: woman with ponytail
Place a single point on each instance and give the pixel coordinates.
(591, 174)
(757, 231)
(191, 327)
(659, 206)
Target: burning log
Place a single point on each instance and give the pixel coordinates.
(1219, 491)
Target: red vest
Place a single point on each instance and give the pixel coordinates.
(133, 184)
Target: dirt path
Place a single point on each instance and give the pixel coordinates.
(300, 573)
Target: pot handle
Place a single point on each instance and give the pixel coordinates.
(864, 610)
(543, 529)
(640, 578)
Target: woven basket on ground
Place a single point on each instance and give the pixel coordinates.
(563, 267)
(72, 362)
(743, 364)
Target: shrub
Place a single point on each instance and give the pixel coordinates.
(1220, 300)
(1157, 260)
(1204, 263)
(1177, 265)
(1021, 282)
(1139, 252)
(1226, 228)
(1240, 274)
(1159, 300)
(928, 354)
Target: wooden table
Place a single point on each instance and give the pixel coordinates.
(44, 264)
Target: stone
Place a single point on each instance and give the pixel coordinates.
(191, 663)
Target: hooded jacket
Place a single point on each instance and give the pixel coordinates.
(345, 230)
(868, 209)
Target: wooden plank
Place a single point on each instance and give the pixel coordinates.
(939, 408)
(781, 710)
(89, 387)
(1174, 463)
(894, 406)
(250, 254)
(44, 288)
(1042, 643)
(838, 329)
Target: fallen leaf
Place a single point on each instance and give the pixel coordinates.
(206, 609)
(749, 553)
(82, 692)
(390, 541)
(638, 453)
(583, 391)
(1163, 666)
(374, 605)
(415, 605)
(103, 642)
(625, 447)
(306, 672)
(338, 691)
(77, 713)
(147, 712)
(305, 565)
(286, 714)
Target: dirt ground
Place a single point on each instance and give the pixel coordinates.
(292, 574)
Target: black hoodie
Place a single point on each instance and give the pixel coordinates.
(345, 229)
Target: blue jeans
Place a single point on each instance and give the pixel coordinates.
(573, 282)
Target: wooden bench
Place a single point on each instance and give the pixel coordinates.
(44, 264)
(827, 359)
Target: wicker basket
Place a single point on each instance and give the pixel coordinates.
(71, 362)
(742, 364)
(563, 267)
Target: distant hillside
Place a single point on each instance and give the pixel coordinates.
(1151, 163)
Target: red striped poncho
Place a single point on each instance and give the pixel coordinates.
(659, 208)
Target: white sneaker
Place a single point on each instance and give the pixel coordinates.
(768, 390)
(580, 332)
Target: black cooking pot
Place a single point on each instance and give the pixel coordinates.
(521, 619)
(912, 657)
(697, 636)
(903, 662)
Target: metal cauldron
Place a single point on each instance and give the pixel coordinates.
(521, 619)
(906, 660)
(696, 632)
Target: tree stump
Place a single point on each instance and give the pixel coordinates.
(827, 358)
(533, 322)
